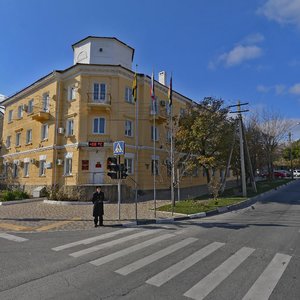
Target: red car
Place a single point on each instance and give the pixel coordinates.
(278, 174)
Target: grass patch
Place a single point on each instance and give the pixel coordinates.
(231, 196)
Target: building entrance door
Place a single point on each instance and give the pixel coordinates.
(96, 167)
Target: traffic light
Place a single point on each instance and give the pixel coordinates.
(112, 167)
(123, 171)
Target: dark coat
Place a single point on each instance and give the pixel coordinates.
(98, 199)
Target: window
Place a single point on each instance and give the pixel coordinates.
(70, 127)
(10, 116)
(46, 102)
(15, 170)
(28, 136)
(99, 125)
(71, 92)
(168, 108)
(99, 92)
(68, 166)
(30, 106)
(154, 166)
(168, 136)
(8, 141)
(44, 132)
(128, 128)
(154, 107)
(182, 112)
(26, 169)
(128, 95)
(154, 133)
(20, 111)
(42, 171)
(18, 139)
(129, 165)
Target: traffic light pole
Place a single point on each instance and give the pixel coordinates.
(119, 191)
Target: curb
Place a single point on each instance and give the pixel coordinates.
(21, 201)
(67, 202)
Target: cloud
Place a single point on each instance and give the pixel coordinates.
(254, 38)
(282, 11)
(262, 88)
(295, 89)
(245, 50)
(2, 97)
(279, 89)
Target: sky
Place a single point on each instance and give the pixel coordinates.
(237, 50)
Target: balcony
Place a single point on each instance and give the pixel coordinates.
(99, 101)
(41, 115)
(160, 115)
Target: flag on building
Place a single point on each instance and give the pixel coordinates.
(152, 92)
(134, 88)
(170, 92)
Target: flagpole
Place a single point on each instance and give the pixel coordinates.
(136, 146)
(171, 147)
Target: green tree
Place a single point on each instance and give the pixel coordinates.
(205, 134)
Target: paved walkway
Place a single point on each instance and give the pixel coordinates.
(40, 216)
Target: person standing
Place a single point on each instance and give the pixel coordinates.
(98, 210)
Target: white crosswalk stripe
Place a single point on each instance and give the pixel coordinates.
(12, 237)
(184, 264)
(121, 253)
(113, 243)
(211, 281)
(266, 282)
(93, 239)
(154, 257)
(260, 290)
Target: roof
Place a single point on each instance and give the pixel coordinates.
(104, 37)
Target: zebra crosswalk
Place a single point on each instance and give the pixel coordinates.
(12, 237)
(162, 244)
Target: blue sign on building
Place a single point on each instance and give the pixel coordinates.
(119, 148)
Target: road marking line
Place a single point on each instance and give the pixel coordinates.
(126, 251)
(266, 282)
(113, 243)
(15, 227)
(154, 257)
(12, 237)
(212, 280)
(56, 224)
(93, 239)
(183, 265)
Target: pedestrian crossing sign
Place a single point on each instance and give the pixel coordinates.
(119, 148)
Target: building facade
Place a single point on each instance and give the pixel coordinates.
(59, 131)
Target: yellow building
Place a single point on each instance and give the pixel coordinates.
(60, 130)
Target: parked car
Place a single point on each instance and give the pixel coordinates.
(278, 174)
(296, 173)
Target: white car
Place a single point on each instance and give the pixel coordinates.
(296, 173)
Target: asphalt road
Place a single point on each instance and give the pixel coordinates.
(253, 254)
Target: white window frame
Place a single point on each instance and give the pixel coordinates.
(30, 106)
(29, 136)
(44, 132)
(128, 95)
(156, 163)
(46, 102)
(154, 133)
(68, 166)
(10, 116)
(97, 131)
(154, 107)
(71, 92)
(15, 171)
(70, 127)
(129, 165)
(26, 169)
(128, 128)
(8, 141)
(18, 139)
(42, 168)
(20, 111)
(99, 93)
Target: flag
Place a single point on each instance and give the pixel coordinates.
(134, 88)
(152, 92)
(170, 92)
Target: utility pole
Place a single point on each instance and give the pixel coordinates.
(291, 154)
(241, 137)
